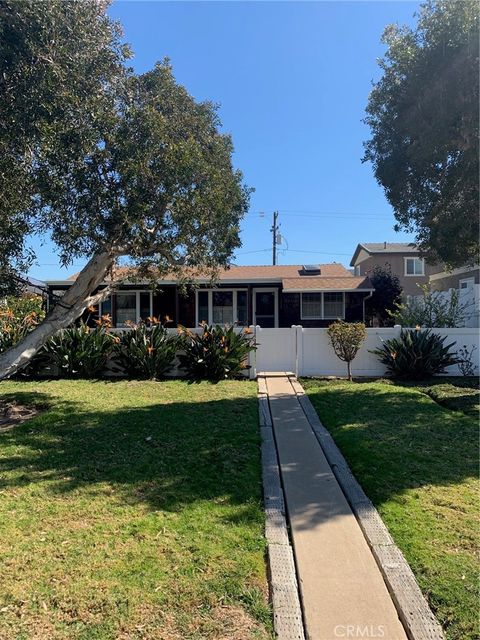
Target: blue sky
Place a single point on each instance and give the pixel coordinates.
(292, 81)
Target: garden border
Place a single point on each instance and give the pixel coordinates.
(413, 610)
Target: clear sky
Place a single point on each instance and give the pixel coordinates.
(292, 81)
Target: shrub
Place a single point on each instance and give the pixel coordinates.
(18, 316)
(432, 309)
(416, 354)
(146, 351)
(216, 353)
(79, 351)
(465, 361)
(386, 297)
(346, 339)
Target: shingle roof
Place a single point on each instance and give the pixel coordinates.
(249, 273)
(390, 247)
(315, 283)
(383, 247)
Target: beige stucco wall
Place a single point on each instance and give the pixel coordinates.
(452, 281)
(397, 263)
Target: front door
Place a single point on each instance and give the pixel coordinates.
(265, 308)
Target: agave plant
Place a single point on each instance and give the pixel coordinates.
(146, 352)
(80, 351)
(416, 354)
(215, 354)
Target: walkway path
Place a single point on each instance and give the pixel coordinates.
(342, 590)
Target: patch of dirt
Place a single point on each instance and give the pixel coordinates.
(12, 413)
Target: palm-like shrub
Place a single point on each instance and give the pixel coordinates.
(18, 316)
(146, 351)
(79, 351)
(416, 354)
(215, 354)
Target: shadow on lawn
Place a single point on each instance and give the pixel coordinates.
(164, 455)
(397, 441)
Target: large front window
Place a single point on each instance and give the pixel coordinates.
(130, 306)
(222, 307)
(320, 306)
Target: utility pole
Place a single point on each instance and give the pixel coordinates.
(274, 231)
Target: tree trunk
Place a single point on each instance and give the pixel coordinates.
(76, 299)
(349, 369)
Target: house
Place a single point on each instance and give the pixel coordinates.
(412, 270)
(466, 280)
(269, 296)
(403, 258)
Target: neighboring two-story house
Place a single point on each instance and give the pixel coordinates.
(412, 270)
(403, 258)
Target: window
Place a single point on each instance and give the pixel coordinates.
(414, 267)
(318, 306)
(222, 302)
(126, 308)
(311, 305)
(202, 306)
(222, 306)
(333, 305)
(130, 306)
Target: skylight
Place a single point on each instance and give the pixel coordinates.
(311, 269)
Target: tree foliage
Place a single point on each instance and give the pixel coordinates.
(59, 65)
(424, 119)
(346, 339)
(116, 166)
(387, 295)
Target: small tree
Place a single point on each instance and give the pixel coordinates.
(346, 339)
(387, 295)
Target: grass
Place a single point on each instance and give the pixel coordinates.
(132, 510)
(418, 462)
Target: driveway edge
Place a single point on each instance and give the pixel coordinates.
(412, 608)
(287, 612)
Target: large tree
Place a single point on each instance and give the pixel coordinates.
(60, 64)
(155, 185)
(424, 118)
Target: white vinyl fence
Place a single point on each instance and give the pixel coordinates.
(307, 352)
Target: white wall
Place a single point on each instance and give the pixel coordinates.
(307, 352)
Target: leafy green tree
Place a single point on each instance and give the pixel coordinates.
(346, 339)
(424, 119)
(153, 184)
(387, 295)
(60, 63)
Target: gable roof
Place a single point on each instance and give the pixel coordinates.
(383, 247)
(315, 283)
(252, 273)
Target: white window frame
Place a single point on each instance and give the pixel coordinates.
(137, 303)
(210, 303)
(322, 316)
(413, 275)
(468, 281)
(256, 290)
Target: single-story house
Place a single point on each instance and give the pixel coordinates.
(269, 296)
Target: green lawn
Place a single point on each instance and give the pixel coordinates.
(418, 462)
(132, 510)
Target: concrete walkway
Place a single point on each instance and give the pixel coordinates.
(342, 590)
